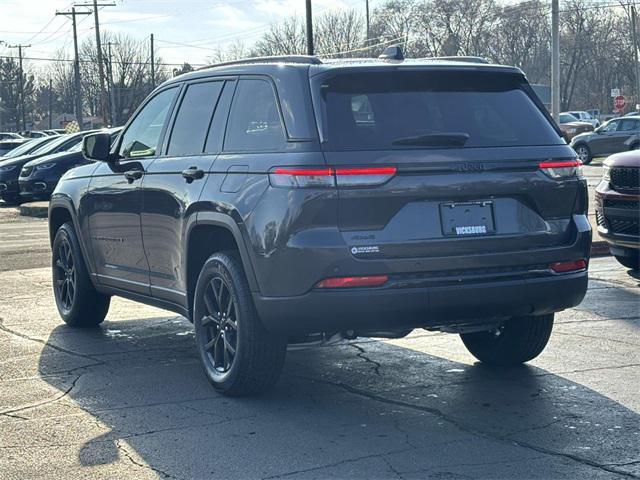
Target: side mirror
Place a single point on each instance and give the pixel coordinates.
(97, 146)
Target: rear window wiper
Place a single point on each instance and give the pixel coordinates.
(453, 139)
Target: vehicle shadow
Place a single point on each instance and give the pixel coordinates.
(367, 409)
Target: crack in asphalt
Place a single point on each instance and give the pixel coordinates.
(361, 354)
(467, 429)
(121, 448)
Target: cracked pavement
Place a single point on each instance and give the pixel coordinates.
(128, 399)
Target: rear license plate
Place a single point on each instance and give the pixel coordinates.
(467, 219)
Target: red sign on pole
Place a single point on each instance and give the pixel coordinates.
(618, 103)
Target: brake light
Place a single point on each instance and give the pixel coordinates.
(560, 169)
(351, 282)
(327, 177)
(564, 267)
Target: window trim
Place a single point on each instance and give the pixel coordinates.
(116, 148)
(176, 109)
(269, 80)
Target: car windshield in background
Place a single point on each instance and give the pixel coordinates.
(27, 147)
(567, 118)
(52, 145)
(377, 111)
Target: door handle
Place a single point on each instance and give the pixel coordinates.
(132, 175)
(192, 173)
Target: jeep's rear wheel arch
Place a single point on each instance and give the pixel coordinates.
(211, 233)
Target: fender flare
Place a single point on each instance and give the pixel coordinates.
(225, 221)
(63, 202)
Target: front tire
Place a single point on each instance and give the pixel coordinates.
(238, 355)
(584, 153)
(79, 303)
(631, 261)
(516, 341)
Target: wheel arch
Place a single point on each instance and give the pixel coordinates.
(211, 233)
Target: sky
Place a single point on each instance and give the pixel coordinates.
(203, 24)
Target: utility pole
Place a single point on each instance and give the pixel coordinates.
(153, 65)
(76, 64)
(309, 28)
(112, 107)
(634, 33)
(21, 83)
(367, 19)
(50, 103)
(555, 60)
(103, 97)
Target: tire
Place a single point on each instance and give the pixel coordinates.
(631, 261)
(517, 341)
(238, 355)
(79, 303)
(584, 153)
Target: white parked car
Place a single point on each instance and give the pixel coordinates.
(585, 117)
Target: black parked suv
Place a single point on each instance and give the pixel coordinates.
(285, 200)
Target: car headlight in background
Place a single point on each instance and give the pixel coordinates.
(606, 173)
(45, 166)
(8, 168)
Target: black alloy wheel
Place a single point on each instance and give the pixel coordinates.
(65, 275)
(220, 325)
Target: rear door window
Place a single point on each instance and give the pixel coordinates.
(194, 118)
(628, 124)
(254, 122)
(395, 110)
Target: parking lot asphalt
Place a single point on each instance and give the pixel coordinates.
(128, 399)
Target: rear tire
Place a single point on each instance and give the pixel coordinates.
(584, 153)
(516, 341)
(78, 302)
(238, 355)
(631, 261)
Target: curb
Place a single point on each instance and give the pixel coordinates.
(35, 209)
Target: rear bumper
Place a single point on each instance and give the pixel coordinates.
(434, 306)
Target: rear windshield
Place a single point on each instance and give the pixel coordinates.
(399, 110)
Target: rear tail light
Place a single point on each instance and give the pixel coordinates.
(560, 169)
(358, 177)
(352, 282)
(564, 267)
(329, 177)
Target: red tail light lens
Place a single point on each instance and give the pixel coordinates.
(326, 177)
(359, 177)
(561, 168)
(352, 282)
(564, 267)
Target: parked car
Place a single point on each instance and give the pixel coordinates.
(10, 169)
(585, 117)
(9, 136)
(33, 134)
(27, 145)
(617, 135)
(55, 131)
(633, 114)
(253, 199)
(9, 145)
(618, 207)
(38, 178)
(571, 126)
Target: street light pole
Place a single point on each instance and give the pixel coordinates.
(634, 33)
(309, 28)
(555, 60)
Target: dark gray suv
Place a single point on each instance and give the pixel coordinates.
(289, 200)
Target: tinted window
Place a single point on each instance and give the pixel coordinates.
(566, 118)
(219, 122)
(628, 124)
(142, 137)
(193, 119)
(254, 122)
(611, 126)
(388, 110)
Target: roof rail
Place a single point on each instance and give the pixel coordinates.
(304, 59)
(455, 58)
